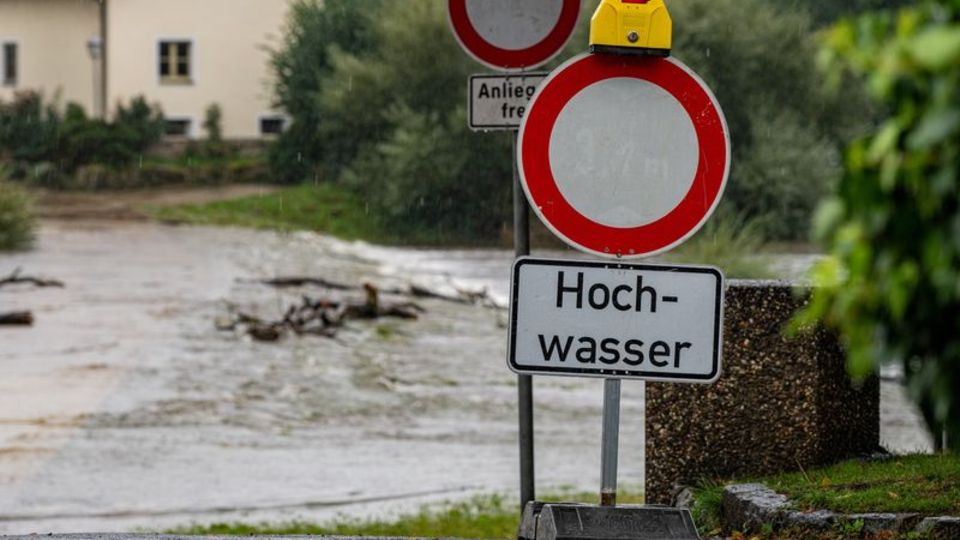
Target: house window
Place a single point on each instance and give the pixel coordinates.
(177, 127)
(175, 62)
(9, 64)
(272, 125)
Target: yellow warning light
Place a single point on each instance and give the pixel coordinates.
(632, 27)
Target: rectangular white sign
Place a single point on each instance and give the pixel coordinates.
(498, 102)
(614, 320)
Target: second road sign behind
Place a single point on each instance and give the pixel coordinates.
(513, 35)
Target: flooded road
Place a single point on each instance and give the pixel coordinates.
(123, 407)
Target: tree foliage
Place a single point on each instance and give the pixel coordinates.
(301, 67)
(362, 94)
(893, 227)
(786, 130)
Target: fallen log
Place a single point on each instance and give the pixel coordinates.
(15, 278)
(17, 318)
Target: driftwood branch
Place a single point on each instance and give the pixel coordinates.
(15, 278)
(461, 296)
(17, 318)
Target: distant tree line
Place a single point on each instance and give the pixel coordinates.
(376, 91)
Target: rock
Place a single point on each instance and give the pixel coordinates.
(752, 505)
(684, 498)
(821, 520)
(940, 528)
(878, 523)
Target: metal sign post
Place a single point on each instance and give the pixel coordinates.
(521, 244)
(611, 442)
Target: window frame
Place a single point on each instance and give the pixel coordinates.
(4, 81)
(272, 116)
(176, 80)
(191, 126)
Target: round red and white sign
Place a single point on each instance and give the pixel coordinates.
(624, 156)
(513, 35)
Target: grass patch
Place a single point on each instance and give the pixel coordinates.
(731, 244)
(322, 208)
(491, 516)
(929, 485)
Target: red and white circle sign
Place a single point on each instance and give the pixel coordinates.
(513, 35)
(624, 156)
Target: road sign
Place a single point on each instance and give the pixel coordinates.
(624, 156)
(613, 320)
(513, 35)
(499, 101)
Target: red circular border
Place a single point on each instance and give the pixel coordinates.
(541, 186)
(528, 58)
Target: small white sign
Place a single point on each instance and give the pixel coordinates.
(498, 102)
(611, 320)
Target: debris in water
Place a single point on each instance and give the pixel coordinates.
(15, 278)
(319, 317)
(16, 318)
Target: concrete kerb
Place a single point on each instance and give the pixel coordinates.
(753, 505)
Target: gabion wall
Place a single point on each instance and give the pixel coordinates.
(781, 403)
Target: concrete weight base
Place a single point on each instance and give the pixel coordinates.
(564, 521)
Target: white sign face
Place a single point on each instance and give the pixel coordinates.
(611, 320)
(514, 25)
(500, 101)
(638, 139)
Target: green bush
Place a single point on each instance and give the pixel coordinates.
(32, 133)
(28, 128)
(16, 217)
(891, 286)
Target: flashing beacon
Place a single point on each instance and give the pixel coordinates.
(632, 27)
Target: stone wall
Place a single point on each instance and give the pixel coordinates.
(781, 403)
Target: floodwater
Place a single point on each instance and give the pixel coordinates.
(124, 408)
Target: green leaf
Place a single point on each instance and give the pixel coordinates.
(935, 126)
(937, 48)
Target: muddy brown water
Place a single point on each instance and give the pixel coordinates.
(124, 408)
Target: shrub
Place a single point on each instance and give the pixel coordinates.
(33, 133)
(16, 217)
(891, 286)
(28, 128)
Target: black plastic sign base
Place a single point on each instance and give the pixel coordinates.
(586, 522)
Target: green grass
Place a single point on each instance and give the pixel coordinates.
(929, 485)
(323, 208)
(490, 516)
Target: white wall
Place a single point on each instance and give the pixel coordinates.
(51, 37)
(229, 60)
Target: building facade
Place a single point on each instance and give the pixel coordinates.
(183, 55)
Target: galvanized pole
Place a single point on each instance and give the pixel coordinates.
(611, 442)
(521, 244)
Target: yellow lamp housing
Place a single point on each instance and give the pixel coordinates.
(632, 27)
